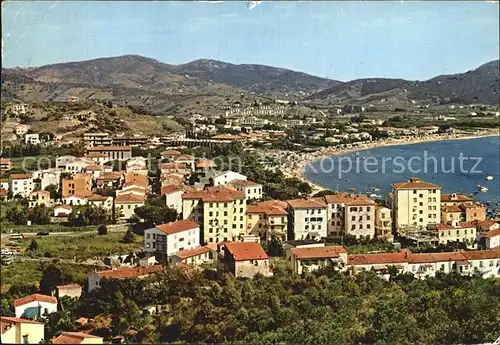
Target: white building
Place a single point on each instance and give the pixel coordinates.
(172, 237)
(62, 210)
(490, 239)
(33, 139)
(21, 331)
(34, 306)
(21, 184)
(253, 190)
(308, 218)
(21, 129)
(94, 278)
(173, 197)
(222, 178)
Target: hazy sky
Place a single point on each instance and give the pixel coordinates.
(338, 40)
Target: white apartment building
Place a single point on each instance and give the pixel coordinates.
(457, 231)
(171, 238)
(253, 190)
(308, 218)
(21, 184)
(222, 178)
(415, 203)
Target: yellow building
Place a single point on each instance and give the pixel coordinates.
(220, 211)
(415, 203)
(383, 223)
(21, 331)
(267, 219)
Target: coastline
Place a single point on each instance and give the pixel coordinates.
(299, 167)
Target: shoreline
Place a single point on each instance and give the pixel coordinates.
(299, 168)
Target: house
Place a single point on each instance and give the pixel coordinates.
(167, 239)
(62, 210)
(456, 231)
(5, 164)
(195, 256)
(99, 158)
(104, 201)
(244, 259)
(39, 197)
(33, 138)
(169, 155)
(70, 290)
(171, 179)
(94, 278)
(222, 178)
(120, 153)
(308, 218)
(313, 258)
(135, 179)
(96, 170)
(174, 168)
(21, 184)
(127, 203)
(188, 160)
(415, 203)
(379, 262)
(253, 190)
(490, 239)
(21, 331)
(456, 206)
(268, 219)
(75, 199)
(113, 179)
(76, 338)
(48, 177)
(486, 225)
(173, 197)
(148, 261)
(220, 212)
(204, 165)
(141, 191)
(34, 306)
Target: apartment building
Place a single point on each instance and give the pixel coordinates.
(97, 139)
(457, 206)
(253, 190)
(125, 204)
(307, 218)
(120, 153)
(456, 231)
(220, 211)
(21, 184)
(268, 219)
(167, 239)
(78, 184)
(415, 203)
(39, 197)
(350, 214)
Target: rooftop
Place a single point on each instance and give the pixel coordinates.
(129, 272)
(178, 226)
(33, 298)
(307, 203)
(5, 321)
(242, 251)
(188, 253)
(318, 252)
(348, 199)
(245, 183)
(129, 198)
(73, 338)
(109, 148)
(415, 183)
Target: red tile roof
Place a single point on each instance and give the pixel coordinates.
(183, 158)
(170, 153)
(73, 338)
(129, 272)
(129, 199)
(67, 207)
(20, 176)
(173, 166)
(245, 183)
(205, 164)
(242, 251)
(68, 286)
(307, 203)
(492, 233)
(215, 194)
(33, 298)
(188, 253)
(268, 209)
(170, 189)
(482, 254)
(110, 176)
(178, 226)
(458, 198)
(415, 183)
(97, 197)
(485, 223)
(435, 257)
(348, 199)
(318, 252)
(379, 258)
(463, 225)
(452, 209)
(5, 321)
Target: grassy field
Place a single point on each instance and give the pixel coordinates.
(30, 273)
(81, 247)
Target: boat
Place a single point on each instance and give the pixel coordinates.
(489, 177)
(482, 188)
(353, 189)
(375, 189)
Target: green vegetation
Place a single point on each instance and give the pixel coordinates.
(155, 211)
(88, 215)
(54, 227)
(81, 247)
(321, 308)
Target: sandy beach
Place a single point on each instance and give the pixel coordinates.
(293, 165)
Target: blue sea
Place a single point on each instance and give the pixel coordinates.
(456, 165)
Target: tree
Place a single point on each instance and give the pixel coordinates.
(155, 212)
(17, 214)
(54, 190)
(40, 214)
(129, 237)
(88, 215)
(33, 245)
(102, 230)
(52, 276)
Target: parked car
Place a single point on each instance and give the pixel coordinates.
(16, 236)
(42, 233)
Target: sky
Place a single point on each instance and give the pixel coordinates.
(337, 40)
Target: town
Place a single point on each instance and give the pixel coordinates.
(183, 201)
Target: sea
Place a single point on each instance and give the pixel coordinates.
(456, 165)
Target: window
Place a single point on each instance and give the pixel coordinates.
(225, 213)
(368, 210)
(414, 191)
(210, 213)
(211, 239)
(249, 216)
(368, 226)
(211, 205)
(148, 235)
(25, 339)
(414, 199)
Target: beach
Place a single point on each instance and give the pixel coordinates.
(293, 164)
